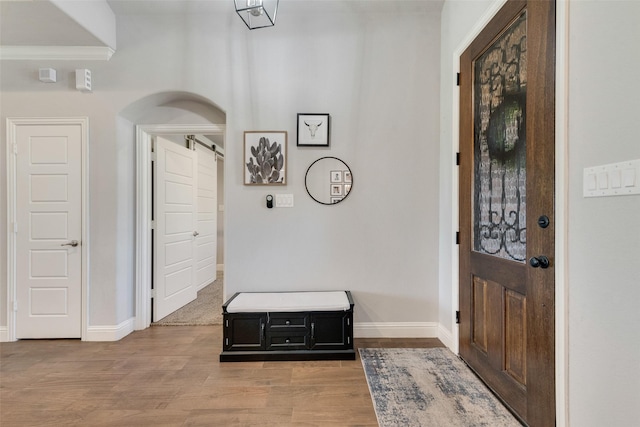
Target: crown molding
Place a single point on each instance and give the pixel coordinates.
(52, 53)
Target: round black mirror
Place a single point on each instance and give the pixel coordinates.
(328, 180)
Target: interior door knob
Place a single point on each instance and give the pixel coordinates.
(72, 243)
(541, 261)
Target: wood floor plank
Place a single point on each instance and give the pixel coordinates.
(319, 397)
(142, 418)
(350, 416)
(267, 417)
(171, 375)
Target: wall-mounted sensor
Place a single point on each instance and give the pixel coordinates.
(47, 75)
(83, 80)
(269, 201)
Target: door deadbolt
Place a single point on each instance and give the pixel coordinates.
(543, 221)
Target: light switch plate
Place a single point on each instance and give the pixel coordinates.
(284, 200)
(616, 179)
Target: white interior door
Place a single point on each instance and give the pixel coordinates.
(206, 260)
(174, 271)
(49, 230)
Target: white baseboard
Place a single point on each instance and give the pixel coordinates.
(360, 330)
(446, 337)
(110, 332)
(395, 330)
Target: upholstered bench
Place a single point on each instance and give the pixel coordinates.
(288, 326)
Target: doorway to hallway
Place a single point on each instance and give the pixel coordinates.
(144, 216)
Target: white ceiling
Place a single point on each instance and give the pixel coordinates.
(174, 7)
(40, 23)
(25, 23)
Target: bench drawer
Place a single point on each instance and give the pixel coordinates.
(287, 321)
(288, 342)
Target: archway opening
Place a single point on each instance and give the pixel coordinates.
(173, 116)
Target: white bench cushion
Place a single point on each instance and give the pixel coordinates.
(262, 302)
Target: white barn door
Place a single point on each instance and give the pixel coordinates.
(174, 272)
(206, 261)
(49, 231)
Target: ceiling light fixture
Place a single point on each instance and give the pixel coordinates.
(257, 13)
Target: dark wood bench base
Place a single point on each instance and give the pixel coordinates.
(303, 335)
(265, 356)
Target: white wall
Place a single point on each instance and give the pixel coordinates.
(458, 20)
(220, 217)
(149, 61)
(376, 73)
(49, 102)
(372, 66)
(603, 234)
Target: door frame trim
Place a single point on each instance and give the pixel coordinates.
(561, 197)
(12, 125)
(144, 251)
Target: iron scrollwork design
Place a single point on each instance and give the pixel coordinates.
(500, 146)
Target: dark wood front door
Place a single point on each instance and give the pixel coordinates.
(507, 288)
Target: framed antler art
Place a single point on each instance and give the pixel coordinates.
(313, 130)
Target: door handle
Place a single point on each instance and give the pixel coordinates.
(72, 243)
(541, 261)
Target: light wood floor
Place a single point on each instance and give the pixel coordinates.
(170, 376)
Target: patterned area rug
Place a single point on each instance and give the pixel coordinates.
(204, 310)
(429, 387)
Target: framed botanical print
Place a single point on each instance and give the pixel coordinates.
(265, 158)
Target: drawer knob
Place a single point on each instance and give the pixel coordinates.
(287, 340)
(288, 322)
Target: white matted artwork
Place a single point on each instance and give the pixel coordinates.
(313, 130)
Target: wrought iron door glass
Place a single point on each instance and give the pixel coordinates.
(499, 110)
